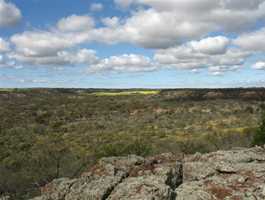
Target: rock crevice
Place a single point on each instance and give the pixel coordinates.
(224, 175)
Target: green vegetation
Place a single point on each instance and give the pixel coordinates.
(259, 137)
(50, 133)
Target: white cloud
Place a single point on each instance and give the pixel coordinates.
(159, 30)
(217, 73)
(202, 54)
(96, 7)
(1, 59)
(75, 23)
(220, 70)
(124, 3)
(170, 22)
(111, 22)
(50, 46)
(124, 63)
(30, 80)
(4, 50)
(82, 56)
(4, 46)
(40, 43)
(174, 28)
(201, 5)
(5, 61)
(9, 14)
(166, 24)
(223, 13)
(259, 65)
(211, 45)
(253, 41)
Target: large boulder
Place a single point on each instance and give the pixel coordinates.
(4, 197)
(224, 175)
(238, 174)
(130, 177)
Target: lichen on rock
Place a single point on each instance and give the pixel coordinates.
(224, 175)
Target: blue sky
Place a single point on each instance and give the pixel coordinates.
(132, 43)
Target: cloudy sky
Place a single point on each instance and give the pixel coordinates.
(132, 43)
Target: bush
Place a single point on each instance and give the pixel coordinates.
(259, 137)
(124, 148)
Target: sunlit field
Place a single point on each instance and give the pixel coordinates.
(127, 93)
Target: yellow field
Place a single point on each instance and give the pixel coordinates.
(127, 93)
(6, 90)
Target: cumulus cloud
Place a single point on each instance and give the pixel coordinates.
(40, 43)
(159, 30)
(123, 3)
(75, 23)
(223, 15)
(201, 5)
(252, 41)
(96, 7)
(50, 46)
(9, 14)
(82, 56)
(166, 24)
(111, 22)
(170, 22)
(5, 61)
(2, 61)
(259, 65)
(124, 63)
(4, 50)
(4, 46)
(220, 70)
(212, 53)
(211, 45)
(178, 37)
(55, 46)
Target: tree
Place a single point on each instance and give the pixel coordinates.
(50, 149)
(259, 137)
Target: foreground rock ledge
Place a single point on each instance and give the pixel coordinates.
(223, 175)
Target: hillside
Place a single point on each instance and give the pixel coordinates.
(52, 133)
(224, 175)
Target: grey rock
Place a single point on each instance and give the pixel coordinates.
(93, 189)
(192, 191)
(4, 197)
(223, 175)
(142, 188)
(57, 189)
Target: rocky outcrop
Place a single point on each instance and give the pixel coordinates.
(224, 175)
(4, 197)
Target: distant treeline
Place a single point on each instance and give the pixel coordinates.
(208, 94)
(172, 94)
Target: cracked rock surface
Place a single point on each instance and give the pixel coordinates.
(224, 175)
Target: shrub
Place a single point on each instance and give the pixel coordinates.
(191, 146)
(259, 137)
(123, 148)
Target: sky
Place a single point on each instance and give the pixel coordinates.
(132, 43)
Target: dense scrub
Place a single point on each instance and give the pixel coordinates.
(259, 136)
(45, 133)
